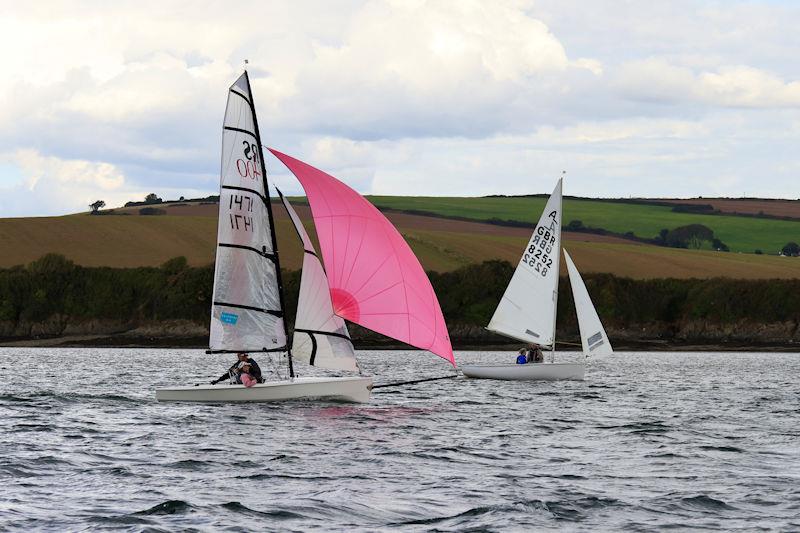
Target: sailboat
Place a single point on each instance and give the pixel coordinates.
(527, 310)
(381, 285)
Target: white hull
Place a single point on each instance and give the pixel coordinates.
(528, 372)
(348, 389)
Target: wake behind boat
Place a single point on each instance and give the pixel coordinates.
(381, 285)
(527, 310)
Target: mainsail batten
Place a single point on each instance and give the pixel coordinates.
(320, 337)
(373, 276)
(247, 308)
(519, 314)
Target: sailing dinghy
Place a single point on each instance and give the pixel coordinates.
(527, 310)
(379, 285)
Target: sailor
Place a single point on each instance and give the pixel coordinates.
(245, 367)
(535, 354)
(522, 358)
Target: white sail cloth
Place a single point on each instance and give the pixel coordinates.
(527, 311)
(593, 337)
(246, 314)
(320, 336)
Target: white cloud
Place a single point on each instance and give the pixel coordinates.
(51, 185)
(414, 97)
(729, 86)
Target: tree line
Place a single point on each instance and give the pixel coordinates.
(54, 286)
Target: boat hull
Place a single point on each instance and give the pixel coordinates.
(346, 389)
(529, 372)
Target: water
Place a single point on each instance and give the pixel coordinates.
(687, 441)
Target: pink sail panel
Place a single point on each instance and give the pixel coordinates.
(374, 278)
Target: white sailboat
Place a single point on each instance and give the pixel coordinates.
(247, 313)
(527, 310)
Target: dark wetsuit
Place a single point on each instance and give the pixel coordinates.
(255, 372)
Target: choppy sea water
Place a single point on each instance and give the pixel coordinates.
(649, 440)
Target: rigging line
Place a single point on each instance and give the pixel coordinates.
(401, 383)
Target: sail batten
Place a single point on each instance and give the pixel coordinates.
(247, 308)
(527, 310)
(364, 257)
(593, 337)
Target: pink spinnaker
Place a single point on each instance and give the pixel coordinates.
(374, 278)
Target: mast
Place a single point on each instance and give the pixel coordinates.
(558, 267)
(271, 222)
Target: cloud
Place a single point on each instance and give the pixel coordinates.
(474, 97)
(52, 184)
(656, 79)
(47, 185)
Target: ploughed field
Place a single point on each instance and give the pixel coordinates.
(747, 206)
(442, 244)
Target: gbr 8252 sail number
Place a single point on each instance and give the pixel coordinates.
(538, 255)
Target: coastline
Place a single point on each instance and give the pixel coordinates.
(201, 342)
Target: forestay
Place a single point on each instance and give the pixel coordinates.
(246, 314)
(375, 279)
(320, 337)
(593, 336)
(527, 311)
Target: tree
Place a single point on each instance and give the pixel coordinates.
(152, 198)
(792, 249)
(97, 206)
(575, 225)
(691, 236)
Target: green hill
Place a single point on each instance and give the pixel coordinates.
(741, 233)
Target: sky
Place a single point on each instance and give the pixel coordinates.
(114, 100)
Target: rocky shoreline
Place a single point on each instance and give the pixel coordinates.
(688, 336)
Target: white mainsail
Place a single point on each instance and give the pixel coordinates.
(527, 311)
(247, 310)
(593, 336)
(320, 336)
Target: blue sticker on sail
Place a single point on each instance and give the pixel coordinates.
(229, 318)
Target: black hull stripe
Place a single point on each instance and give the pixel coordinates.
(240, 130)
(313, 332)
(245, 189)
(250, 308)
(265, 255)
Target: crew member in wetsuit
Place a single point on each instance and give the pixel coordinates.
(245, 364)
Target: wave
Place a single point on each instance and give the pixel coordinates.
(167, 507)
(280, 514)
(731, 449)
(702, 501)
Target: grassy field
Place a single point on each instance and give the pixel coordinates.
(742, 234)
(441, 245)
